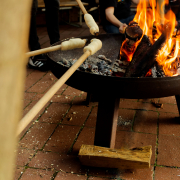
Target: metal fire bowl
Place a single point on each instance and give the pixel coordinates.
(129, 88)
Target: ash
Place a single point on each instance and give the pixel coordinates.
(98, 65)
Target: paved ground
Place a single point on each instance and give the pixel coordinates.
(48, 147)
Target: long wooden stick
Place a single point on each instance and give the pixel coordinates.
(14, 23)
(65, 45)
(81, 6)
(45, 50)
(41, 103)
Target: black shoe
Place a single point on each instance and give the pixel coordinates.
(38, 62)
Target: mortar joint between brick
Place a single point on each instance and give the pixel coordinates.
(36, 82)
(132, 126)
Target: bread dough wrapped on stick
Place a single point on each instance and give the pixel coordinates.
(72, 44)
(94, 29)
(94, 46)
(66, 45)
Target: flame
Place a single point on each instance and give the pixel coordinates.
(128, 50)
(147, 19)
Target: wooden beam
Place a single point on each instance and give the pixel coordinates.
(106, 123)
(136, 158)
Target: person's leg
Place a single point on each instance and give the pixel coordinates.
(111, 28)
(33, 38)
(52, 20)
(38, 62)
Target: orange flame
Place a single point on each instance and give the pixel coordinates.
(149, 17)
(128, 51)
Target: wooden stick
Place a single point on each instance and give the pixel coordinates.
(14, 23)
(82, 6)
(65, 45)
(45, 50)
(41, 103)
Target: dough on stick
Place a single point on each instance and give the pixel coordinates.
(91, 24)
(72, 44)
(94, 46)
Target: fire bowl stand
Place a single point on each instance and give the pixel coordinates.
(107, 116)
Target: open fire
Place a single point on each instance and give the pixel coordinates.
(150, 49)
(157, 50)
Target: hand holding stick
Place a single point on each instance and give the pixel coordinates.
(66, 45)
(94, 29)
(92, 48)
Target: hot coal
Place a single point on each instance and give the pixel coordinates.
(98, 65)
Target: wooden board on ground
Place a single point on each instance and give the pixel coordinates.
(136, 158)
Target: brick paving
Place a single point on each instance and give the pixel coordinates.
(49, 145)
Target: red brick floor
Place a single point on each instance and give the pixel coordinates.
(49, 145)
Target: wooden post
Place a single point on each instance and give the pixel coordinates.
(106, 124)
(14, 23)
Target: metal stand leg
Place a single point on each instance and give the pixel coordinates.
(106, 124)
(178, 102)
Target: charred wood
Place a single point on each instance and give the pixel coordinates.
(144, 45)
(133, 31)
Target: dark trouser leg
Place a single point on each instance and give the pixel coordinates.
(52, 20)
(106, 124)
(33, 38)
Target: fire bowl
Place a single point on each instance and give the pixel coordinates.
(129, 88)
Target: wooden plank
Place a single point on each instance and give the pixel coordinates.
(136, 158)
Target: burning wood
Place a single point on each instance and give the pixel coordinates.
(133, 34)
(142, 61)
(134, 65)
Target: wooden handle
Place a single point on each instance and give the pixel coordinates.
(81, 6)
(45, 50)
(41, 103)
